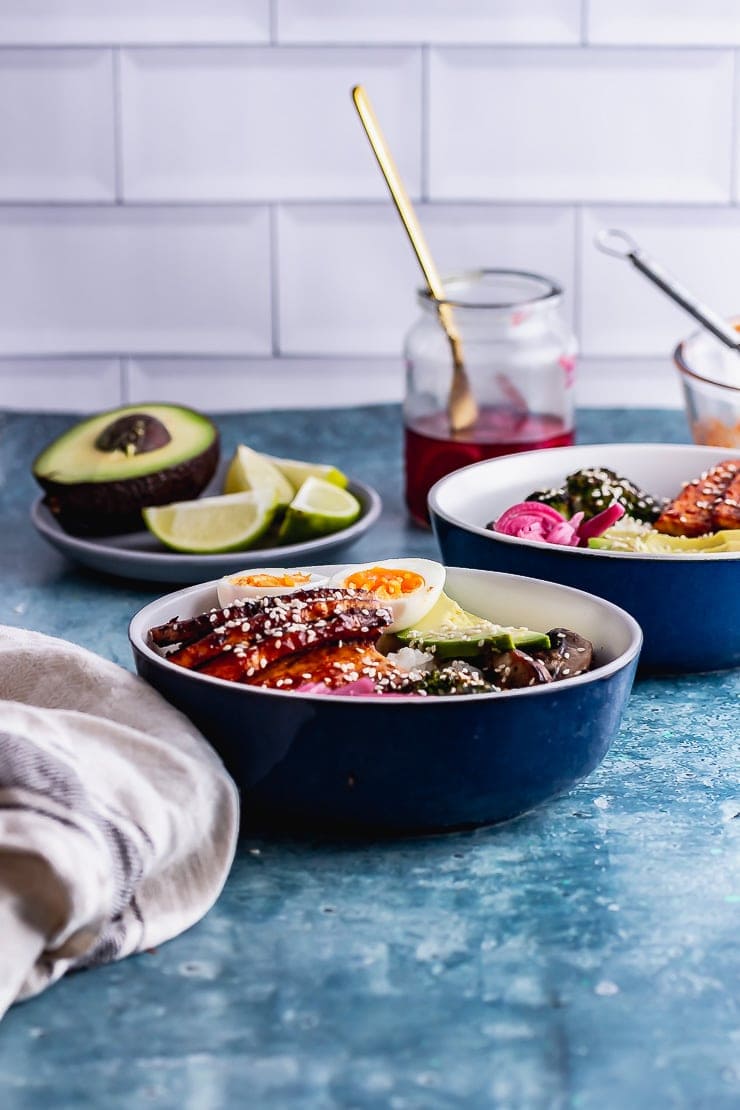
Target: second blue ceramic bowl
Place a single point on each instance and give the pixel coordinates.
(386, 765)
(688, 605)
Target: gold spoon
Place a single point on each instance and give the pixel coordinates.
(462, 409)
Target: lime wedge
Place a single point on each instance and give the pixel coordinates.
(318, 509)
(297, 471)
(248, 470)
(231, 522)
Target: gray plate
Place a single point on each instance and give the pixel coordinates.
(139, 555)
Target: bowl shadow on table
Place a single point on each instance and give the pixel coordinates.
(386, 767)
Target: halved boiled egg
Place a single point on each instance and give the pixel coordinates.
(408, 587)
(266, 582)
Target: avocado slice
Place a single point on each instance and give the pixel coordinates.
(101, 472)
(449, 631)
(526, 639)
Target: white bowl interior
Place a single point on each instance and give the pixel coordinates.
(503, 598)
(513, 600)
(477, 494)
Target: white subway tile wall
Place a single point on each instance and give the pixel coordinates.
(61, 384)
(664, 22)
(190, 211)
(169, 280)
(263, 124)
(65, 22)
(56, 125)
(594, 124)
(414, 21)
(460, 236)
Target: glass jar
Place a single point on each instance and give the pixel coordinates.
(519, 359)
(711, 388)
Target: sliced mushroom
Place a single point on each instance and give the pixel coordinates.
(569, 654)
(512, 669)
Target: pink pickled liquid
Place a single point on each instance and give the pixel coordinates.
(431, 450)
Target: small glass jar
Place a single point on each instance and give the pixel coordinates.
(710, 379)
(519, 359)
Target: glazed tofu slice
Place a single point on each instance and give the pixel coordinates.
(692, 513)
(727, 513)
(334, 665)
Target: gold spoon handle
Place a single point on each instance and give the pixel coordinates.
(398, 191)
(461, 407)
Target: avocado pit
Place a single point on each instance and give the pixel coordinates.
(134, 435)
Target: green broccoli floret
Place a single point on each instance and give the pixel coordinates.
(555, 498)
(593, 489)
(457, 677)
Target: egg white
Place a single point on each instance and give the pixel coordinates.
(229, 590)
(407, 610)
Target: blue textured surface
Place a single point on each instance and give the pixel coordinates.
(585, 956)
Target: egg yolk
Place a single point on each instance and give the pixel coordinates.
(265, 581)
(385, 583)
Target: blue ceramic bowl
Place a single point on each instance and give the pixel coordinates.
(688, 605)
(386, 765)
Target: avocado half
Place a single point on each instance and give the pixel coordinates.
(101, 472)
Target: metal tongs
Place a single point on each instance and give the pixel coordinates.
(621, 245)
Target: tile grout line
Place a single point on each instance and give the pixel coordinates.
(274, 280)
(584, 22)
(329, 202)
(117, 126)
(145, 355)
(426, 125)
(734, 124)
(577, 274)
(354, 44)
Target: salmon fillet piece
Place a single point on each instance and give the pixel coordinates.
(331, 664)
(727, 513)
(326, 636)
(252, 615)
(239, 641)
(692, 513)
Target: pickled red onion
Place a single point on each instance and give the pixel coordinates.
(598, 524)
(534, 520)
(361, 687)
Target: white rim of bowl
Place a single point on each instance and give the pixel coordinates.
(560, 549)
(138, 626)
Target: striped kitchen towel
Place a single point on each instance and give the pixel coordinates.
(118, 822)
